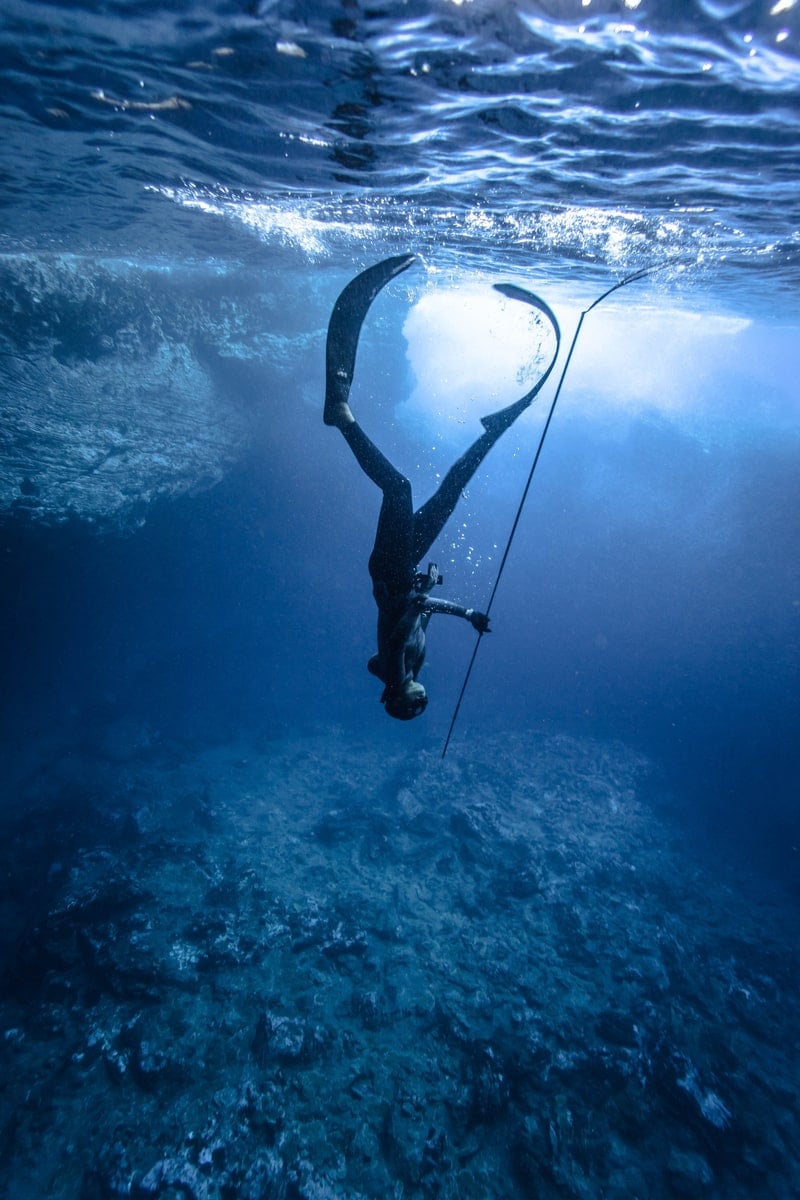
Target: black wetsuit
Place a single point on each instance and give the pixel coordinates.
(403, 538)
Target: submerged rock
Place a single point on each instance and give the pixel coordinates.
(113, 381)
(287, 1040)
(689, 1174)
(492, 1001)
(172, 1175)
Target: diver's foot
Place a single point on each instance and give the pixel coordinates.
(339, 415)
(499, 422)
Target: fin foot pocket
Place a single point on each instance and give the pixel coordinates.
(500, 421)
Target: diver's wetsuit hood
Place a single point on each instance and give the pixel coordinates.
(405, 703)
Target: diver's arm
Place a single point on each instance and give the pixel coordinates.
(477, 620)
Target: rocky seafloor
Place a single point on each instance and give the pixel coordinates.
(311, 969)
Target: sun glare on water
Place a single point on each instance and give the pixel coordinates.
(472, 351)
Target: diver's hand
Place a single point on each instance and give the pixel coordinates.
(478, 620)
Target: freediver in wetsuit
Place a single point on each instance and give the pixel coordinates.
(404, 536)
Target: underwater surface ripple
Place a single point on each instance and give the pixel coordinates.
(512, 108)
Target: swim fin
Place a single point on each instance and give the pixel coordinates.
(498, 422)
(344, 328)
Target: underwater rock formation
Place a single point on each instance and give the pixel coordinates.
(124, 382)
(514, 983)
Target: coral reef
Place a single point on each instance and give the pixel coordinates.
(307, 969)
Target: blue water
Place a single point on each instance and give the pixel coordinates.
(185, 190)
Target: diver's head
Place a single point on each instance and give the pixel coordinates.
(406, 702)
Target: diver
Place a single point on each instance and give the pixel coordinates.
(403, 537)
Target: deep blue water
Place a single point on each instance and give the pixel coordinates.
(235, 150)
(185, 190)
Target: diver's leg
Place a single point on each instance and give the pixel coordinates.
(374, 464)
(430, 519)
(391, 562)
(344, 328)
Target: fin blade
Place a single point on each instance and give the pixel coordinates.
(499, 421)
(345, 324)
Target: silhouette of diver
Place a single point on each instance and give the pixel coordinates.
(403, 536)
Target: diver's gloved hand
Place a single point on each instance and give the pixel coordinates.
(478, 620)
